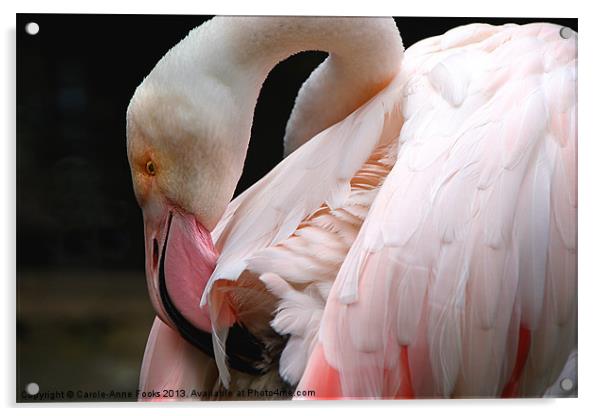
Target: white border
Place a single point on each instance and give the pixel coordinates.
(590, 178)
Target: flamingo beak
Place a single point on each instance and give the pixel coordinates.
(155, 236)
(180, 258)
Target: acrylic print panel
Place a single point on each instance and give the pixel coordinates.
(353, 222)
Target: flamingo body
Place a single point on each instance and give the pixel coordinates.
(425, 244)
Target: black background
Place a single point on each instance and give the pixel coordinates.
(79, 230)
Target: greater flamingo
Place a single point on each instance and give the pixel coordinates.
(419, 239)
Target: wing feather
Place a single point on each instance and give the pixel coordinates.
(471, 238)
(317, 178)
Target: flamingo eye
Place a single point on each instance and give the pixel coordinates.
(150, 168)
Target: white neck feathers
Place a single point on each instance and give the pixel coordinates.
(204, 90)
(236, 54)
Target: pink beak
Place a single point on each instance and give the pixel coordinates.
(180, 258)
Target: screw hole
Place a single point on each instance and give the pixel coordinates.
(566, 33)
(32, 389)
(566, 384)
(32, 28)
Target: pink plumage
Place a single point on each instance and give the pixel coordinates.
(422, 246)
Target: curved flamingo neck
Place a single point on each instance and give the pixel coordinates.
(221, 66)
(202, 93)
(364, 55)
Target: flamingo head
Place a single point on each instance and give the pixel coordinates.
(184, 172)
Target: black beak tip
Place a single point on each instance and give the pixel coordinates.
(243, 350)
(155, 253)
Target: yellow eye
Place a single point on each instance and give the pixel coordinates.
(150, 168)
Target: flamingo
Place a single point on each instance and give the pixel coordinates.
(418, 240)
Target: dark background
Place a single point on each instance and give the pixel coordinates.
(82, 308)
